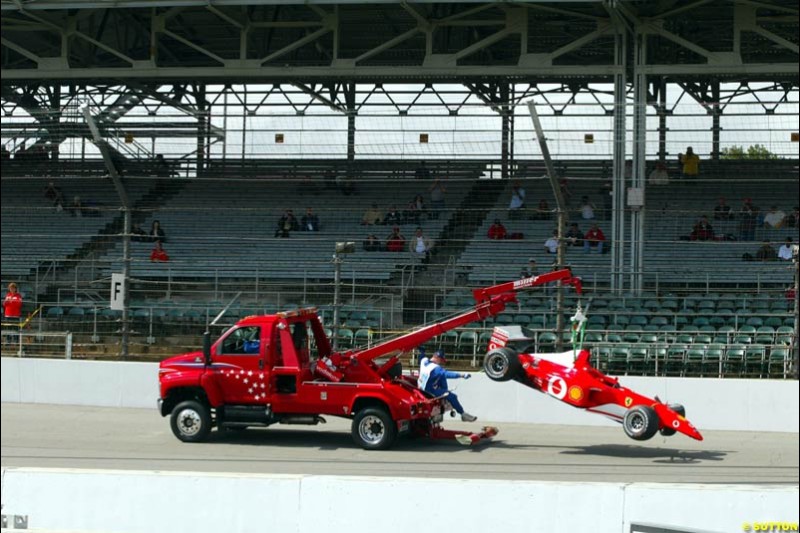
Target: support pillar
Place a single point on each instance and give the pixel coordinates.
(505, 116)
(639, 160)
(662, 119)
(715, 115)
(202, 126)
(618, 167)
(350, 102)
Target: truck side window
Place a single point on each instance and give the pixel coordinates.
(245, 340)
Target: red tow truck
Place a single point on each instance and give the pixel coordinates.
(261, 372)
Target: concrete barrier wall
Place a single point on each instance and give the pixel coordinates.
(130, 501)
(711, 404)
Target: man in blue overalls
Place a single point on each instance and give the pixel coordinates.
(433, 380)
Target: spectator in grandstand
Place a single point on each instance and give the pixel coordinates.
(372, 244)
(433, 380)
(785, 252)
(551, 244)
(393, 217)
(563, 184)
(607, 191)
(702, 230)
(766, 252)
(722, 211)
(690, 163)
(345, 184)
(157, 232)
(574, 236)
(517, 202)
(748, 217)
(395, 242)
(76, 207)
(793, 219)
(594, 238)
(422, 172)
(419, 202)
(497, 231)
(138, 234)
(53, 194)
(587, 209)
(659, 175)
(161, 168)
(310, 221)
(774, 218)
(12, 309)
(542, 211)
(411, 215)
(158, 254)
(437, 190)
(372, 216)
(421, 245)
(531, 270)
(286, 224)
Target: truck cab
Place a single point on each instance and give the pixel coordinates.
(264, 370)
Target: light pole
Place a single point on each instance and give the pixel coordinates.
(341, 248)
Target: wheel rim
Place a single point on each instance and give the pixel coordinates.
(637, 423)
(496, 365)
(371, 429)
(189, 422)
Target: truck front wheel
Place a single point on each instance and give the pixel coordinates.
(190, 421)
(374, 429)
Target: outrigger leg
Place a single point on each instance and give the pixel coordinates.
(467, 438)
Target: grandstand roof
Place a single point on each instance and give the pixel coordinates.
(240, 40)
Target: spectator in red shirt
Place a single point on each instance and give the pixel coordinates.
(593, 237)
(395, 242)
(497, 231)
(702, 230)
(12, 308)
(158, 254)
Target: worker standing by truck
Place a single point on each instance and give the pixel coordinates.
(433, 380)
(12, 309)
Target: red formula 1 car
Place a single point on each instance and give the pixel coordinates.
(574, 381)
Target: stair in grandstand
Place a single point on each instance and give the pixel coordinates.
(162, 191)
(451, 242)
(469, 216)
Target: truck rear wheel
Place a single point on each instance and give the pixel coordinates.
(501, 364)
(190, 421)
(374, 429)
(640, 422)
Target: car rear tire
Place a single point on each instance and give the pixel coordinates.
(501, 364)
(678, 408)
(191, 421)
(640, 422)
(374, 429)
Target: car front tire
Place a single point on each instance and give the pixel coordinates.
(501, 364)
(640, 422)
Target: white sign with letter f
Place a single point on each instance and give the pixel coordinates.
(117, 291)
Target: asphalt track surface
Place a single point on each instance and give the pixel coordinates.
(55, 436)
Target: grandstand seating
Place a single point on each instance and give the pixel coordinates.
(241, 242)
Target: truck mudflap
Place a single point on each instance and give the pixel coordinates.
(467, 438)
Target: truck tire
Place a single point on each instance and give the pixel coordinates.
(678, 408)
(190, 421)
(374, 429)
(640, 422)
(501, 364)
